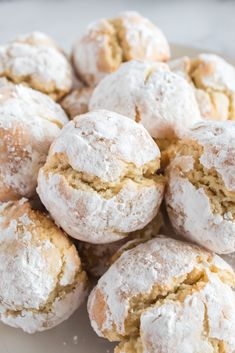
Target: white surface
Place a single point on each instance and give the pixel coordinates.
(207, 24)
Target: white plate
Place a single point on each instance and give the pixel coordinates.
(74, 335)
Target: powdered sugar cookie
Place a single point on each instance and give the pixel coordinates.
(35, 60)
(101, 173)
(29, 122)
(165, 296)
(150, 94)
(214, 82)
(107, 43)
(76, 102)
(201, 186)
(41, 281)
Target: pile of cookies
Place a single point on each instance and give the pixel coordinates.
(118, 163)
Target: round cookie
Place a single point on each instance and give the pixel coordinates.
(214, 82)
(201, 186)
(29, 122)
(107, 43)
(166, 296)
(162, 101)
(35, 60)
(41, 281)
(99, 182)
(76, 102)
(97, 258)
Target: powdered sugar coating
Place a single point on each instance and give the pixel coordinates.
(105, 145)
(32, 322)
(181, 66)
(185, 201)
(145, 40)
(35, 59)
(221, 75)
(213, 72)
(218, 143)
(157, 262)
(106, 43)
(194, 325)
(29, 122)
(91, 53)
(89, 217)
(149, 93)
(213, 80)
(37, 263)
(97, 258)
(185, 204)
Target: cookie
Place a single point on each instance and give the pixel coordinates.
(99, 182)
(29, 122)
(213, 80)
(35, 60)
(200, 196)
(162, 101)
(41, 281)
(107, 43)
(166, 296)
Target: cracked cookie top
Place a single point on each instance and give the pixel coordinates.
(42, 281)
(201, 177)
(214, 82)
(150, 94)
(102, 172)
(29, 122)
(109, 42)
(35, 60)
(160, 283)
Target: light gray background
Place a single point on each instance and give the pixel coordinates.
(205, 24)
